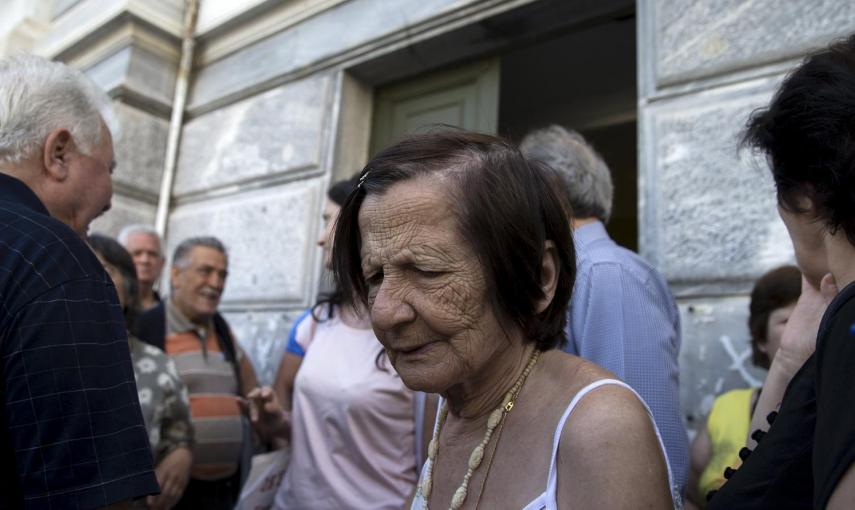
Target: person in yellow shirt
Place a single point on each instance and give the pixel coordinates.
(716, 447)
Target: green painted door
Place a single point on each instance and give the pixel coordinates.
(466, 97)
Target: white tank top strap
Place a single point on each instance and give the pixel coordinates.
(550, 498)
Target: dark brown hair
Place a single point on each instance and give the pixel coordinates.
(776, 289)
(117, 256)
(327, 302)
(507, 208)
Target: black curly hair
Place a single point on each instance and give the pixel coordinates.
(808, 135)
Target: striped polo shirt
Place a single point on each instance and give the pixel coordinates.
(212, 387)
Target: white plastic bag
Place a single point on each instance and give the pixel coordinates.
(265, 477)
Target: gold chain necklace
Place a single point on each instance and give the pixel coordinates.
(477, 454)
(489, 464)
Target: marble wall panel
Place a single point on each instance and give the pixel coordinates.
(152, 75)
(125, 210)
(716, 354)
(140, 149)
(214, 13)
(274, 132)
(263, 336)
(270, 236)
(73, 29)
(705, 38)
(709, 210)
(111, 72)
(342, 28)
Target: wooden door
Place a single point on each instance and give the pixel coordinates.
(466, 97)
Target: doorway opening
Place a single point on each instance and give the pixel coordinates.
(550, 62)
(584, 80)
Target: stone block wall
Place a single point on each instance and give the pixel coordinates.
(253, 174)
(707, 211)
(140, 149)
(260, 147)
(273, 84)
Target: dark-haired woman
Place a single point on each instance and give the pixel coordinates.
(716, 445)
(354, 426)
(163, 397)
(462, 254)
(806, 458)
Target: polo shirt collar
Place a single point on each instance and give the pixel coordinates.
(589, 233)
(177, 322)
(13, 190)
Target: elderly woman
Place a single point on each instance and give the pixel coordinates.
(461, 253)
(806, 458)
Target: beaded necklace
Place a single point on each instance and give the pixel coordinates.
(478, 452)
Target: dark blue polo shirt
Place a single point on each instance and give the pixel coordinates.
(71, 430)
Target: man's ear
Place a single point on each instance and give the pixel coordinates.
(548, 275)
(56, 154)
(174, 271)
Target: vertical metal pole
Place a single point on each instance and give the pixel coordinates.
(185, 68)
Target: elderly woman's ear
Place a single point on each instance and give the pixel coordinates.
(548, 275)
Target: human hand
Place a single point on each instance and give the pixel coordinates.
(798, 340)
(269, 420)
(172, 474)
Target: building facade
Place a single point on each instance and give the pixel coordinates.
(284, 97)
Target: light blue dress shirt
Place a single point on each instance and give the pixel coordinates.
(623, 318)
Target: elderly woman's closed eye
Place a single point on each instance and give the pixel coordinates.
(463, 256)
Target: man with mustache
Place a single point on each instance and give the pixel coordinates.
(212, 366)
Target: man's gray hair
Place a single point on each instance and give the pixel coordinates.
(38, 96)
(585, 176)
(182, 252)
(137, 228)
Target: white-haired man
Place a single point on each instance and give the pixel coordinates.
(622, 315)
(143, 243)
(71, 431)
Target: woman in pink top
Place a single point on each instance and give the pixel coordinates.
(355, 428)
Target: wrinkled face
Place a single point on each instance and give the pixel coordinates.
(197, 287)
(774, 329)
(808, 237)
(325, 240)
(427, 292)
(145, 250)
(90, 183)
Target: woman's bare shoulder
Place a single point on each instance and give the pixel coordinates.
(608, 433)
(573, 370)
(608, 407)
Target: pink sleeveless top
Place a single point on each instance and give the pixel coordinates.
(353, 436)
